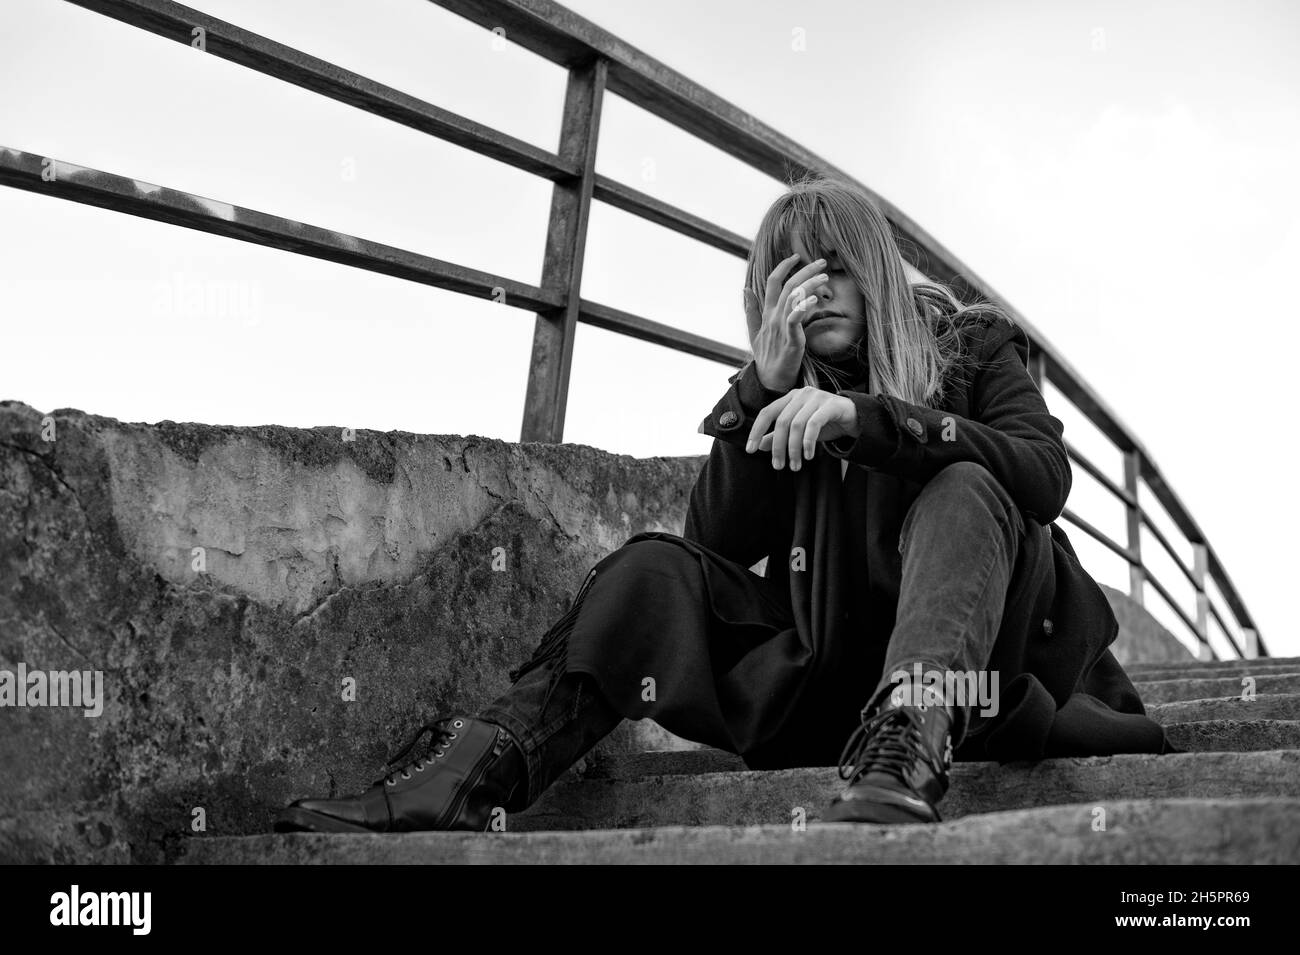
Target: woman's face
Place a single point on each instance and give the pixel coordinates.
(838, 319)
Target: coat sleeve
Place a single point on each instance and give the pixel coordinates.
(739, 502)
(1010, 431)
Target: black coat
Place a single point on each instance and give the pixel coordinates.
(1062, 690)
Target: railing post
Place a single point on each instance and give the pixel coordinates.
(1250, 642)
(1137, 575)
(1200, 567)
(547, 394)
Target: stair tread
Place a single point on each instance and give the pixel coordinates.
(1199, 688)
(710, 760)
(738, 797)
(1241, 736)
(1195, 666)
(1265, 706)
(1144, 831)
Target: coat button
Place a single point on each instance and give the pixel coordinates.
(1048, 627)
(728, 419)
(915, 427)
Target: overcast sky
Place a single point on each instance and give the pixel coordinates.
(1122, 173)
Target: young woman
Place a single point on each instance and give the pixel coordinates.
(888, 453)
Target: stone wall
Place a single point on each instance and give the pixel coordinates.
(1143, 638)
(323, 559)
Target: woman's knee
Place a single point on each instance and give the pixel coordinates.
(965, 474)
(655, 557)
(970, 486)
(968, 478)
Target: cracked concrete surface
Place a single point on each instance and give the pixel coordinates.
(325, 559)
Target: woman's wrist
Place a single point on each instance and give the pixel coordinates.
(772, 384)
(753, 393)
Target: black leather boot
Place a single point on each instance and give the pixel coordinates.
(897, 761)
(470, 768)
(505, 757)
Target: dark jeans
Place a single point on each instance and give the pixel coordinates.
(555, 718)
(959, 543)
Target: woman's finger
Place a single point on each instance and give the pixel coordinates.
(800, 306)
(797, 336)
(794, 442)
(811, 434)
(776, 280)
(812, 430)
(781, 430)
(765, 418)
(803, 276)
(802, 295)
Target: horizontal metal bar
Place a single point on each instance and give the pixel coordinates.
(1226, 587)
(1227, 634)
(1101, 477)
(176, 22)
(1169, 549)
(1149, 577)
(647, 207)
(1067, 380)
(1182, 614)
(149, 201)
(1101, 537)
(1187, 526)
(558, 34)
(614, 320)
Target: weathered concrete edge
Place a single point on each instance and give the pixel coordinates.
(1168, 831)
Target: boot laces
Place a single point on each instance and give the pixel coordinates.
(889, 742)
(443, 729)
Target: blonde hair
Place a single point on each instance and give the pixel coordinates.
(913, 348)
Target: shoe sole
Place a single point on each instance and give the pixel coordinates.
(305, 820)
(882, 810)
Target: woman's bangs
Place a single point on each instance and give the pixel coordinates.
(812, 223)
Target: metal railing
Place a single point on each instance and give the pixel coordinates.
(598, 62)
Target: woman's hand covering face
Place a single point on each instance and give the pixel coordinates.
(779, 343)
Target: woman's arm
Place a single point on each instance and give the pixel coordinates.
(1010, 432)
(739, 501)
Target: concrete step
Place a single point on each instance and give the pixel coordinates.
(1171, 670)
(1171, 691)
(1142, 831)
(1267, 706)
(1234, 736)
(770, 797)
(1223, 736)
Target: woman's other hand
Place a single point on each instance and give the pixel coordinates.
(798, 421)
(779, 343)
